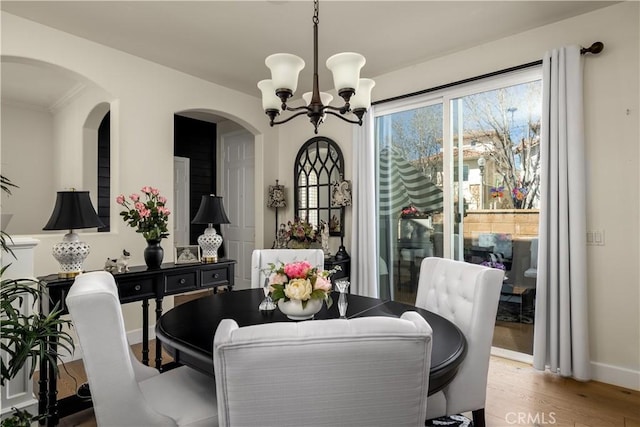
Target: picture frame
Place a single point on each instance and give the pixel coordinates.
(187, 254)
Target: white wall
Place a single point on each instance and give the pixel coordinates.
(611, 91)
(145, 97)
(32, 131)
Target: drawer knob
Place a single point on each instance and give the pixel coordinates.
(137, 287)
(215, 276)
(183, 281)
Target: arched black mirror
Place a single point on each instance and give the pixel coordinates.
(319, 163)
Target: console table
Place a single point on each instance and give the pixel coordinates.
(344, 264)
(138, 284)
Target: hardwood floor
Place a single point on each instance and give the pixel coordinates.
(517, 395)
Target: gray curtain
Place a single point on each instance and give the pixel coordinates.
(364, 244)
(561, 339)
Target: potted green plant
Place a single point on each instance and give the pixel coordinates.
(25, 337)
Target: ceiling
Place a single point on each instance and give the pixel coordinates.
(225, 42)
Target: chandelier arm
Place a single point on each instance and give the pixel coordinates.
(302, 107)
(343, 110)
(355, 122)
(289, 118)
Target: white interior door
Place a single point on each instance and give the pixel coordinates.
(181, 201)
(238, 192)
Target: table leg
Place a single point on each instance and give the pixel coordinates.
(52, 398)
(145, 332)
(42, 389)
(158, 346)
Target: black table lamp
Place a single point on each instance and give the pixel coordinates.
(211, 212)
(73, 210)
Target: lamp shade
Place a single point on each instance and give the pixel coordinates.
(73, 210)
(284, 70)
(276, 197)
(211, 211)
(362, 97)
(346, 70)
(341, 193)
(269, 99)
(325, 98)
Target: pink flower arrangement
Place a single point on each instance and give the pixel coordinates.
(302, 230)
(150, 217)
(409, 211)
(299, 280)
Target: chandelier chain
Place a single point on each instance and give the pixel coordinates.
(316, 10)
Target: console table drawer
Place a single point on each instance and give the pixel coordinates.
(135, 290)
(180, 282)
(214, 277)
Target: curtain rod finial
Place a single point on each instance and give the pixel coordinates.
(595, 48)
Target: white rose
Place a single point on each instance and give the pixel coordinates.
(298, 289)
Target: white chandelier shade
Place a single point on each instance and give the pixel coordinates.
(285, 68)
(325, 98)
(362, 98)
(269, 99)
(346, 68)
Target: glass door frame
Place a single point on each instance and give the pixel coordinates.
(447, 96)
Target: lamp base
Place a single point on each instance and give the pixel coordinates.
(341, 254)
(209, 242)
(70, 253)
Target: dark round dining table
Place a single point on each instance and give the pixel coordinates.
(187, 330)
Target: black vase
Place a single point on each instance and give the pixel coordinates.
(153, 254)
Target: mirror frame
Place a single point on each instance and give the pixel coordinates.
(310, 158)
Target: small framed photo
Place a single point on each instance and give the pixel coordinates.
(187, 254)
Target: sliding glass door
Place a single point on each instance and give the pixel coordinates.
(410, 202)
(458, 177)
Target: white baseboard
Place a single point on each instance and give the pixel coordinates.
(134, 337)
(622, 377)
(601, 372)
(512, 355)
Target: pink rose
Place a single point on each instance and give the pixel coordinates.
(297, 270)
(162, 200)
(120, 199)
(144, 213)
(134, 197)
(155, 191)
(139, 206)
(278, 279)
(146, 189)
(163, 211)
(322, 283)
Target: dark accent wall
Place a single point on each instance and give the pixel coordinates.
(196, 140)
(104, 171)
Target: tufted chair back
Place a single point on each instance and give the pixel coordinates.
(369, 371)
(124, 391)
(468, 295)
(261, 258)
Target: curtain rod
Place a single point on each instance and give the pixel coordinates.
(594, 49)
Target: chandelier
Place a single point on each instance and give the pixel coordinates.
(355, 92)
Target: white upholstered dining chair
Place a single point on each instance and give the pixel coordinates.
(467, 295)
(369, 371)
(261, 258)
(124, 391)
